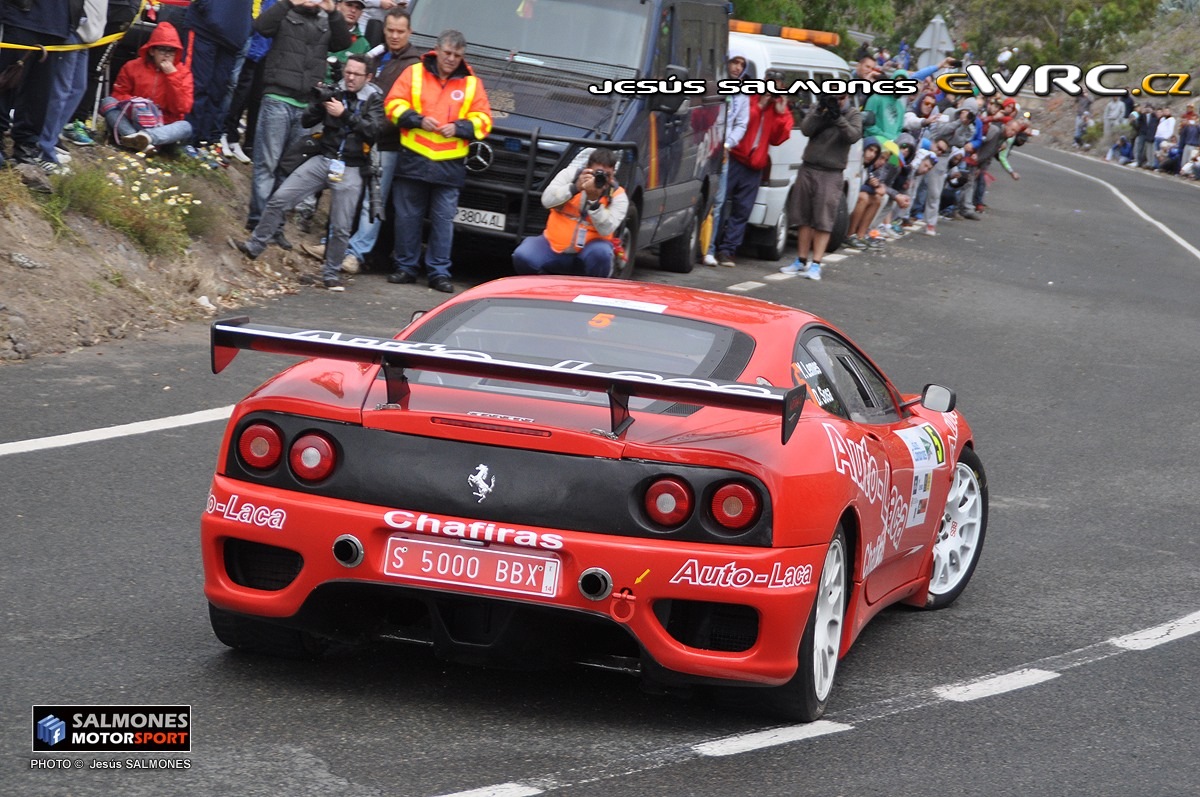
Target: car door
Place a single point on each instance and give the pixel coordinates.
(875, 447)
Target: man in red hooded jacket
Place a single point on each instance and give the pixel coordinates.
(769, 125)
(156, 75)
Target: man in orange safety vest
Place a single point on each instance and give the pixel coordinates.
(440, 107)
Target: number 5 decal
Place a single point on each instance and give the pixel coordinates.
(601, 320)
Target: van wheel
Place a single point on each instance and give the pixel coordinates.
(777, 246)
(680, 254)
(840, 225)
(629, 242)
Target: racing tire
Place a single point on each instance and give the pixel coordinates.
(776, 246)
(629, 242)
(959, 539)
(840, 225)
(804, 697)
(679, 255)
(259, 636)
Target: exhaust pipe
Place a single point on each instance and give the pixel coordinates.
(595, 584)
(348, 550)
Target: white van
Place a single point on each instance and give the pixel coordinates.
(787, 60)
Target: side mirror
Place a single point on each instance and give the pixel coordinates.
(671, 103)
(938, 399)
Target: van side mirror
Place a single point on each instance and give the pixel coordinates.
(671, 103)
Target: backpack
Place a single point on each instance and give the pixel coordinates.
(141, 112)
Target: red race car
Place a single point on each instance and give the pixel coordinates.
(694, 487)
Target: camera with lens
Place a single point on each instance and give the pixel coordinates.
(829, 105)
(327, 89)
(600, 179)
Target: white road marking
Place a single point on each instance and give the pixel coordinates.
(109, 432)
(1159, 634)
(500, 790)
(746, 742)
(835, 258)
(995, 685)
(1167, 231)
(742, 287)
(779, 276)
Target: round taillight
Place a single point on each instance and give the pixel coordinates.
(313, 457)
(735, 506)
(260, 446)
(669, 502)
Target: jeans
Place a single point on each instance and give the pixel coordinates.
(534, 256)
(742, 189)
(278, 126)
(411, 199)
(364, 238)
(212, 65)
(161, 136)
(70, 83)
(309, 178)
(28, 100)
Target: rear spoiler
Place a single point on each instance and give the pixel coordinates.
(395, 356)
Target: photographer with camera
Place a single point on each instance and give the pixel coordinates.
(832, 130)
(351, 115)
(302, 33)
(586, 207)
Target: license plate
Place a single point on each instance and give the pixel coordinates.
(463, 565)
(487, 219)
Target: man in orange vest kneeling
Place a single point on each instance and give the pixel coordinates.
(586, 207)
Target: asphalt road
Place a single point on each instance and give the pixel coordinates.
(1066, 322)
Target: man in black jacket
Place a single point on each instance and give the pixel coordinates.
(303, 32)
(33, 24)
(352, 119)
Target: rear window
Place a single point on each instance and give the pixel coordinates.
(583, 335)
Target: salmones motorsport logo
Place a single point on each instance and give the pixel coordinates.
(105, 729)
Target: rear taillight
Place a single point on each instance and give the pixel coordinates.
(735, 506)
(313, 457)
(669, 502)
(260, 446)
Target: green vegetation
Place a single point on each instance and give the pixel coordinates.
(144, 199)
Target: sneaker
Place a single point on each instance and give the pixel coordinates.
(47, 166)
(401, 278)
(930, 229)
(441, 284)
(334, 284)
(813, 272)
(967, 213)
(77, 133)
(710, 260)
(286, 245)
(138, 142)
(224, 145)
(315, 251)
(349, 264)
(875, 240)
(726, 259)
(238, 154)
(980, 208)
(62, 156)
(242, 247)
(854, 242)
(797, 266)
(192, 152)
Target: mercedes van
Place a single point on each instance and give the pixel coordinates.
(541, 63)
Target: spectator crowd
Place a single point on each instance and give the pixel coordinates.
(330, 96)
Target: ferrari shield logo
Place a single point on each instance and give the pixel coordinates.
(480, 481)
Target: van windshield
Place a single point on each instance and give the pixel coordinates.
(598, 31)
